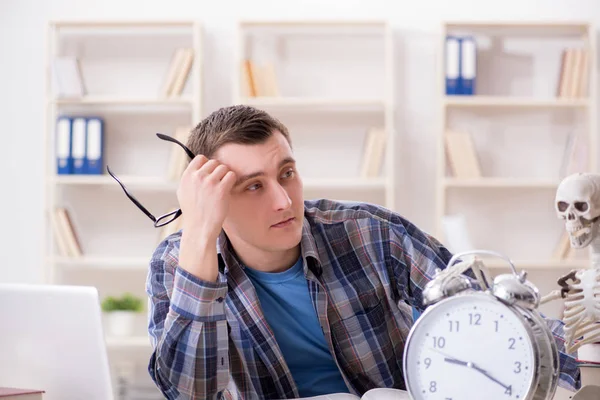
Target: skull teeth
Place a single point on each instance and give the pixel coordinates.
(581, 232)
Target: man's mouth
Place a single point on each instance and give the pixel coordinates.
(283, 223)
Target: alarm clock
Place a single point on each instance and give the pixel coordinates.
(477, 340)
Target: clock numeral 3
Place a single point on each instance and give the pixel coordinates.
(517, 367)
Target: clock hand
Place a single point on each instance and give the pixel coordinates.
(488, 375)
(453, 360)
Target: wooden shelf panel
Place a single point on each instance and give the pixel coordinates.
(347, 184)
(156, 183)
(314, 103)
(107, 24)
(549, 264)
(513, 102)
(98, 262)
(521, 28)
(125, 101)
(500, 183)
(115, 342)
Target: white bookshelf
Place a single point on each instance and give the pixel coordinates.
(330, 93)
(518, 125)
(123, 65)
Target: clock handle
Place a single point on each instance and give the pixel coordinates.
(483, 252)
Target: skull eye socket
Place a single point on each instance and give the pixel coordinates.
(581, 206)
(562, 206)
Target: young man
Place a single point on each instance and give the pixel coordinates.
(264, 295)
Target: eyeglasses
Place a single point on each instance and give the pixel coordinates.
(166, 218)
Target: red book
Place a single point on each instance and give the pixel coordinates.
(7, 393)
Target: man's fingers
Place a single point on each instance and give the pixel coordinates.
(219, 172)
(208, 167)
(197, 162)
(228, 181)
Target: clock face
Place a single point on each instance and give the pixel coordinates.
(469, 347)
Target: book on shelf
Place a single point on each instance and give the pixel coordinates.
(573, 74)
(11, 393)
(67, 78)
(79, 145)
(373, 154)
(460, 65)
(64, 233)
(178, 160)
(461, 155)
(259, 80)
(178, 72)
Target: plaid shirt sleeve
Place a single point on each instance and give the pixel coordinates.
(569, 367)
(187, 328)
(419, 254)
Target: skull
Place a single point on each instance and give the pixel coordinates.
(578, 203)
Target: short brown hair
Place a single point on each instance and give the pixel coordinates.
(234, 124)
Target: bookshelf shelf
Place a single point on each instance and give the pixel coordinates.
(93, 73)
(500, 183)
(127, 101)
(531, 112)
(102, 262)
(133, 342)
(537, 265)
(515, 101)
(154, 183)
(280, 67)
(315, 103)
(347, 184)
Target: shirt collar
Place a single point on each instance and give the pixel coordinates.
(308, 252)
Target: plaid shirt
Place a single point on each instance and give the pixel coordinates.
(365, 268)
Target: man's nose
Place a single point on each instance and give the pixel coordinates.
(281, 200)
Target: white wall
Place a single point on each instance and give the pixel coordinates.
(22, 45)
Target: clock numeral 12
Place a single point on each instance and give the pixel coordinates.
(474, 319)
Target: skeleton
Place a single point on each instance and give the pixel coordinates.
(578, 203)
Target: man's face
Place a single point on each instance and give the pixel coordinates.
(266, 209)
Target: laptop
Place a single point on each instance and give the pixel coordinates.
(51, 339)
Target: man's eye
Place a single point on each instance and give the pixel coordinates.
(288, 174)
(254, 187)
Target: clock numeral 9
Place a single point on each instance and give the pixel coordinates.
(427, 362)
(439, 342)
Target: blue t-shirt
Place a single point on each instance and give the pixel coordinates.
(288, 309)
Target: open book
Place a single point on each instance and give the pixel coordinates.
(373, 394)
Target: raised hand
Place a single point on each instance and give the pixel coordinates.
(204, 193)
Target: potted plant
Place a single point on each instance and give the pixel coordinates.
(121, 313)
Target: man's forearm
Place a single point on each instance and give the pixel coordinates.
(190, 358)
